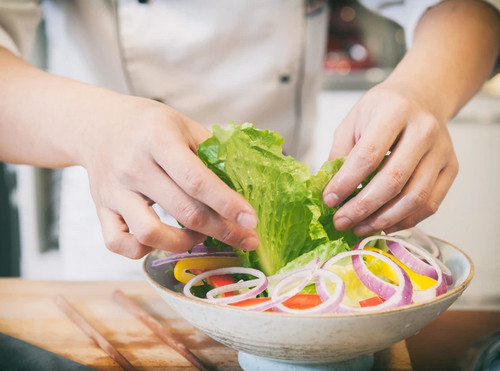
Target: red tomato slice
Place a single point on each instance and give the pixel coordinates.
(303, 301)
(222, 280)
(370, 302)
(299, 301)
(251, 301)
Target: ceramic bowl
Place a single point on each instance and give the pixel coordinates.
(274, 340)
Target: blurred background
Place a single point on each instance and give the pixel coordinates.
(362, 50)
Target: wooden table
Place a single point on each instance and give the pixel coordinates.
(28, 312)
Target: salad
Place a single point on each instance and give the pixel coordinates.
(303, 264)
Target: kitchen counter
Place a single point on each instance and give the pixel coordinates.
(28, 312)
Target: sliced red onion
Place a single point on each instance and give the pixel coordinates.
(431, 246)
(380, 287)
(408, 258)
(447, 276)
(402, 293)
(199, 248)
(297, 278)
(429, 243)
(283, 286)
(293, 276)
(302, 276)
(260, 286)
(404, 251)
(375, 284)
(330, 300)
(200, 254)
(257, 289)
(313, 264)
(400, 249)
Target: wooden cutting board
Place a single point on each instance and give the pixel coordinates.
(28, 312)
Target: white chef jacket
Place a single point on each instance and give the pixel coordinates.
(215, 60)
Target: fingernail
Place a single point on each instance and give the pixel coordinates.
(363, 229)
(246, 220)
(343, 223)
(332, 200)
(249, 243)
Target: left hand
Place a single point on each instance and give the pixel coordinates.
(416, 175)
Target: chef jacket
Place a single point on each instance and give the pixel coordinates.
(214, 60)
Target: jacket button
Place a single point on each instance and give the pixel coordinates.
(143, 1)
(285, 79)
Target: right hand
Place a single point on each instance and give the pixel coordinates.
(145, 153)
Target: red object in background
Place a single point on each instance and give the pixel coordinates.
(346, 50)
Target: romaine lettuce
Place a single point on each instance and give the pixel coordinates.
(292, 218)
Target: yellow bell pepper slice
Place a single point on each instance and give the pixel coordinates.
(421, 282)
(183, 266)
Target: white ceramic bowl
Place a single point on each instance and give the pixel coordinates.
(314, 341)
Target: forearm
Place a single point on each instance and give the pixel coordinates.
(137, 152)
(454, 50)
(46, 119)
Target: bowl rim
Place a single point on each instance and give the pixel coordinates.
(442, 297)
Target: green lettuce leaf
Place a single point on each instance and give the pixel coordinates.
(292, 218)
(323, 252)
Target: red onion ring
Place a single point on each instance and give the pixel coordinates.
(313, 264)
(447, 276)
(413, 262)
(293, 275)
(305, 274)
(429, 244)
(330, 300)
(430, 268)
(237, 286)
(259, 286)
(402, 293)
(416, 258)
(380, 287)
(196, 253)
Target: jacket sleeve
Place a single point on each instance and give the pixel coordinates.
(19, 21)
(407, 13)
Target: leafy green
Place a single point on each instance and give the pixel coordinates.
(293, 219)
(323, 252)
(201, 291)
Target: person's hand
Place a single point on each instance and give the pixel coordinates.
(145, 153)
(416, 175)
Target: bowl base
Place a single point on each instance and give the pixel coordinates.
(250, 362)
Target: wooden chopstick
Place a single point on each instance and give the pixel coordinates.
(93, 333)
(121, 298)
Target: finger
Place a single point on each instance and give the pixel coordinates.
(414, 195)
(117, 237)
(136, 228)
(193, 214)
(197, 132)
(430, 207)
(362, 160)
(388, 182)
(149, 230)
(199, 182)
(343, 138)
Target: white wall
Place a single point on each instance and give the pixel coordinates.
(469, 217)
